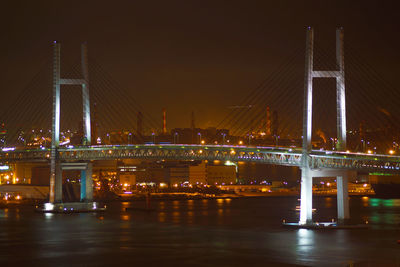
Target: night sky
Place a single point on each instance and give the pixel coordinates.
(200, 56)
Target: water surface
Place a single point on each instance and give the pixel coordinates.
(217, 232)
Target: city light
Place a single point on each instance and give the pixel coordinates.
(48, 206)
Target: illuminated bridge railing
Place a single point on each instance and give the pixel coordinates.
(271, 155)
(355, 161)
(281, 156)
(266, 155)
(29, 155)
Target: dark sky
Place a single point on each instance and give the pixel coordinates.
(189, 55)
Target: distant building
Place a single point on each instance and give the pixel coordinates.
(212, 174)
(198, 174)
(127, 176)
(153, 174)
(179, 174)
(221, 174)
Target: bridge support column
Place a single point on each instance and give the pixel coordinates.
(342, 198)
(306, 196)
(56, 172)
(83, 185)
(87, 184)
(58, 183)
(52, 188)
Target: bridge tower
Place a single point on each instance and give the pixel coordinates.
(55, 165)
(306, 172)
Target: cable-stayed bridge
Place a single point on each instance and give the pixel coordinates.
(278, 89)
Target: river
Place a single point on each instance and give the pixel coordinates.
(213, 232)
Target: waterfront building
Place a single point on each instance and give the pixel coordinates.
(198, 174)
(179, 174)
(212, 174)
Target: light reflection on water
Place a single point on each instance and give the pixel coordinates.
(5, 213)
(161, 216)
(176, 216)
(384, 212)
(190, 215)
(305, 240)
(365, 201)
(125, 217)
(176, 204)
(190, 204)
(329, 202)
(48, 216)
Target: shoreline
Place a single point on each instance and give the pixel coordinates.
(184, 196)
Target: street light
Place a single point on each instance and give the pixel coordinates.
(129, 138)
(199, 134)
(176, 138)
(154, 137)
(223, 138)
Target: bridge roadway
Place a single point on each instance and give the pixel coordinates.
(267, 155)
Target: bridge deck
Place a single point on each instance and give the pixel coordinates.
(268, 155)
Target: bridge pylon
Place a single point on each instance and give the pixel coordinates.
(55, 164)
(306, 170)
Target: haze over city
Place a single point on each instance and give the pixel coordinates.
(186, 55)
